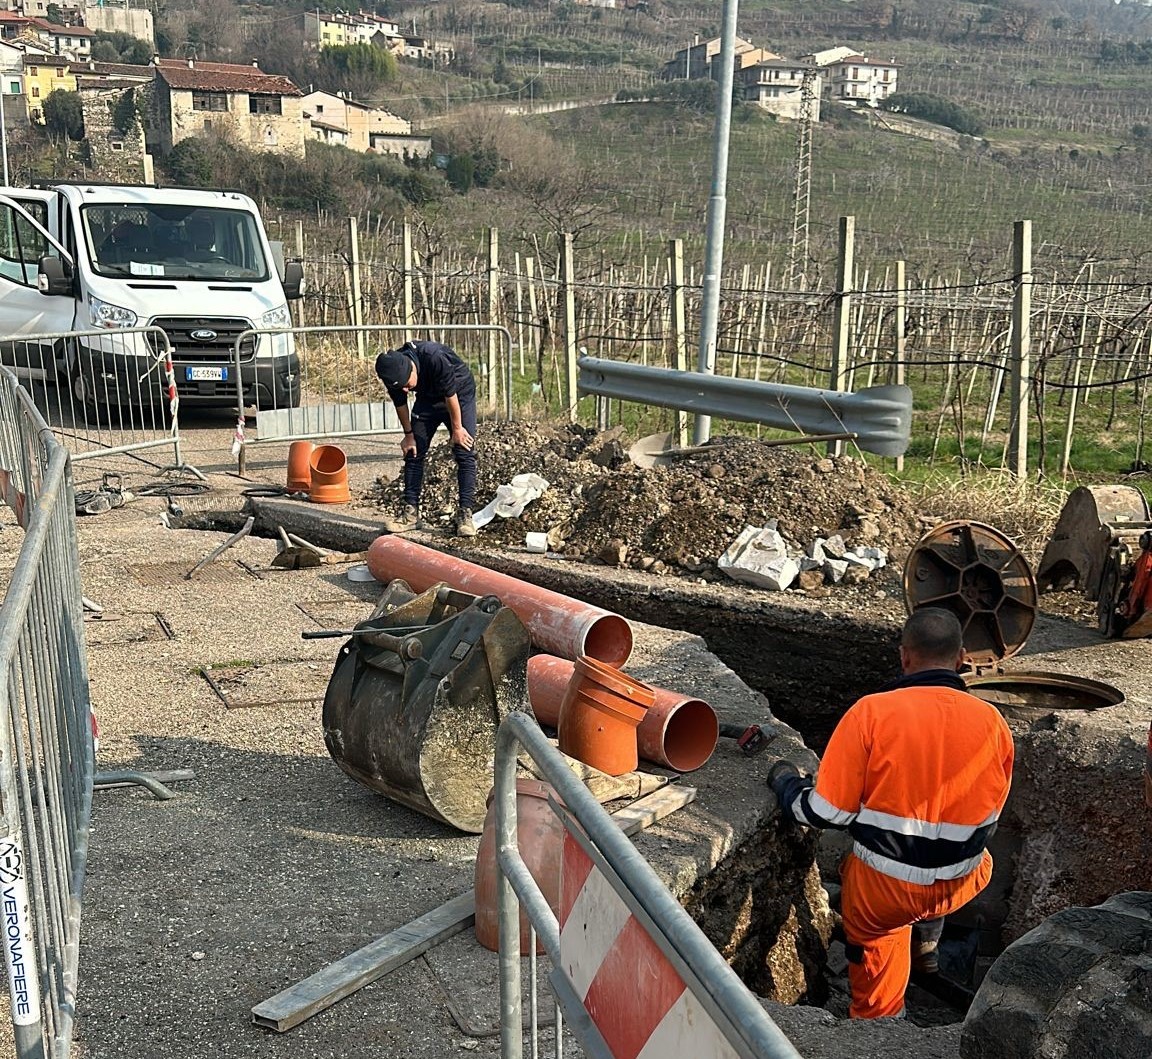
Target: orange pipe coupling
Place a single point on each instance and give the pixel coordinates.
(678, 732)
(557, 623)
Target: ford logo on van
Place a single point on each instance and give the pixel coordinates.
(203, 335)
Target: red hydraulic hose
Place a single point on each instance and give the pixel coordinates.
(559, 624)
(678, 731)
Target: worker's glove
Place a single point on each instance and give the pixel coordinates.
(782, 777)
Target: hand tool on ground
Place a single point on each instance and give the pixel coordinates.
(751, 739)
(247, 528)
(299, 554)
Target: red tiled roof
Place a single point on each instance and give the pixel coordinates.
(223, 77)
(100, 69)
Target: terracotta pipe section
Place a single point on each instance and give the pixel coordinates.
(678, 732)
(558, 624)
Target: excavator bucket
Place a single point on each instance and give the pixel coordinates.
(1093, 519)
(417, 694)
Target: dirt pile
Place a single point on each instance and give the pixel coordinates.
(679, 518)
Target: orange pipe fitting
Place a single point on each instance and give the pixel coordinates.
(678, 731)
(299, 470)
(559, 624)
(329, 475)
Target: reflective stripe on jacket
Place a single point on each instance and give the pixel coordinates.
(918, 776)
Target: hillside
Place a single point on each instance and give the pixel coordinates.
(1063, 88)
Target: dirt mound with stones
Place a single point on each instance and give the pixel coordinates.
(600, 507)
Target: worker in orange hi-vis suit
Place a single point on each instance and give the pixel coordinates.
(918, 773)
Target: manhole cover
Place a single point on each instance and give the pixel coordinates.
(269, 683)
(336, 613)
(223, 572)
(101, 630)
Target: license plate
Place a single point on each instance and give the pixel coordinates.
(206, 374)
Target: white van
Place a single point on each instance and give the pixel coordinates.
(197, 263)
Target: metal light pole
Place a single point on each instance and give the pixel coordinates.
(717, 204)
(3, 135)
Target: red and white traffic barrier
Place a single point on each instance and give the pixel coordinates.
(634, 995)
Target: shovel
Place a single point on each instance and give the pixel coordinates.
(299, 554)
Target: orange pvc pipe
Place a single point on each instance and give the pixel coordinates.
(678, 731)
(559, 624)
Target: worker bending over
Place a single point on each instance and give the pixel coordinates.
(918, 773)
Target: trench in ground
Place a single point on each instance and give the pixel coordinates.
(810, 666)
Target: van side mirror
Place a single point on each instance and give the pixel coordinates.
(54, 278)
(293, 280)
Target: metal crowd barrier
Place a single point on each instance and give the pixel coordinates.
(673, 995)
(46, 754)
(320, 382)
(102, 392)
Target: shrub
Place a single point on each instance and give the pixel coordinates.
(936, 109)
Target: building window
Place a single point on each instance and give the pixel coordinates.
(319, 108)
(885, 75)
(34, 71)
(264, 105)
(35, 91)
(59, 71)
(855, 73)
(117, 145)
(14, 88)
(210, 101)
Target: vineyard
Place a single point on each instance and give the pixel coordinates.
(949, 336)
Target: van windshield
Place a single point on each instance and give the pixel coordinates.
(174, 242)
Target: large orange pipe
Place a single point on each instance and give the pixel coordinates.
(678, 732)
(557, 623)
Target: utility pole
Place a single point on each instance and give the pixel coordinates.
(796, 272)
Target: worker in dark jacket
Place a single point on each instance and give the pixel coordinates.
(918, 774)
(445, 396)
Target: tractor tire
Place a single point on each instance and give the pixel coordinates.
(1078, 985)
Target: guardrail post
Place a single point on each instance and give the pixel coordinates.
(1021, 346)
(568, 293)
(842, 314)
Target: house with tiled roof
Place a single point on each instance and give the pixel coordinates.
(364, 128)
(73, 41)
(257, 110)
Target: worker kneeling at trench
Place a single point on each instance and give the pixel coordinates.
(918, 773)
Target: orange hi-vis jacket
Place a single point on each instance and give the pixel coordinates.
(918, 776)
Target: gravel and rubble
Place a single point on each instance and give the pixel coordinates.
(676, 519)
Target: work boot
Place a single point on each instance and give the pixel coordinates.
(925, 959)
(465, 527)
(407, 518)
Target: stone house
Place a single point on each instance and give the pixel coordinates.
(358, 119)
(695, 61)
(113, 97)
(259, 111)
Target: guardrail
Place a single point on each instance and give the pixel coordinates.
(879, 418)
(46, 756)
(685, 1003)
(320, 382)
(102, 392)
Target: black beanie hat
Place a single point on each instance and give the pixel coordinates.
(394, 368)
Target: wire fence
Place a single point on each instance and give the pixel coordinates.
(949, 335)
(46, 749)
